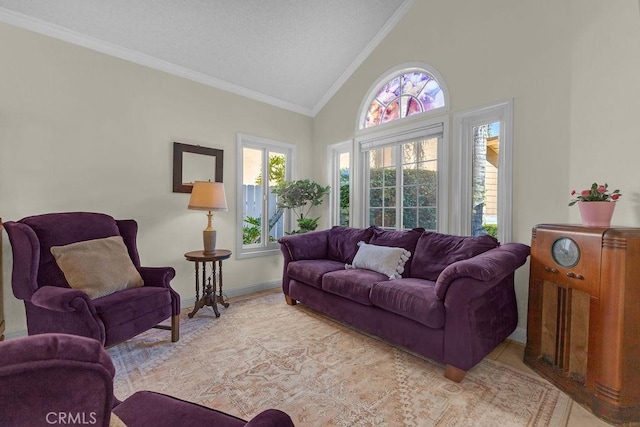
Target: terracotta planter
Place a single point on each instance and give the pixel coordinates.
(596, 214)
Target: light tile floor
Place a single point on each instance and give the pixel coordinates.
(511, 353)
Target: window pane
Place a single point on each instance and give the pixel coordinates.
(375, 217)
(251, 196)
(277, 174)
(389, 218)
(486, 149)
(375, 197)
(389, 197)
(409, 217)
(427, 218)
(409, 196)
(343, 197)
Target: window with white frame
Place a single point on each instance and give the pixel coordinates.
(484, 172)
(262, 164)
(402, 141)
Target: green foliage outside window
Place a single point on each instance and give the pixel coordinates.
(419, 198)
(344, 197)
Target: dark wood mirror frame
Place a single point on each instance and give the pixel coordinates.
(179, 186)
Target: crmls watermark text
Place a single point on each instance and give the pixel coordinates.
(75, 418)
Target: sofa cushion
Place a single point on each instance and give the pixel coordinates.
(354, 285)
(124, 307)
(343, 242)
(406, 239)
(435, 251)
(383, 259)
(311, 271)
(412, 298)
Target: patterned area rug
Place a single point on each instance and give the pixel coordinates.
(262, 353)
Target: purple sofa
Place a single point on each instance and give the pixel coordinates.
(61, 379)
(454, 303)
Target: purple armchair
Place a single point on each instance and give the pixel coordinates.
(52, 306)
(64, 379)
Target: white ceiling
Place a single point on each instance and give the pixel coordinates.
(294, 54)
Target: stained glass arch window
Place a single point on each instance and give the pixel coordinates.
(405, 93)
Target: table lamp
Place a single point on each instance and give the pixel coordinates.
(208, 196)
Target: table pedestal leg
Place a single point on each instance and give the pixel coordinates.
(220, 297)
(208, 294)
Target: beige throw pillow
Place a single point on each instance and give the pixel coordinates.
(98, 267)
(386, 260)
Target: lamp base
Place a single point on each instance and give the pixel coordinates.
(209, 240)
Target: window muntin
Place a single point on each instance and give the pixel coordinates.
(403, 96)
(403, 185)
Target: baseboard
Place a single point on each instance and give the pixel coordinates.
(237, 292)
(519, 335)
(17, 334)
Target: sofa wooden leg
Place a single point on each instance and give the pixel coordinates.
(290, 300)
(175, 328)
(454, 374)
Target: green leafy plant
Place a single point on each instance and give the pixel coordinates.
(300, 196)
(597, 193)
(251, 232)
(491, 230)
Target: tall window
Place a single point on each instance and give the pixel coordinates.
(400, 160)
(484, 175)
(262, 164)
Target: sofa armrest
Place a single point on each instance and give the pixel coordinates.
(65, 310)
(62, 299)
(486, 267)
(312, 245)
(480, 303)
(148, 408)
(157, 276)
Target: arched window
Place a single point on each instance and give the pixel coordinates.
(405, 94)
(399, 161)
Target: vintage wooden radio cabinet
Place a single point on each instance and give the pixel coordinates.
(583, 324)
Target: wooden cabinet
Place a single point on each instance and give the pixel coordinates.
(1, 288)
(583, 323)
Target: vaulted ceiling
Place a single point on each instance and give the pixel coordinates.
(294, 54)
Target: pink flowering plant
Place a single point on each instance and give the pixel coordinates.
(597, 193)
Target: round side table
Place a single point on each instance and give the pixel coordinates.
(209, 296)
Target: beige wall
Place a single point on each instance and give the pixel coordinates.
(80, 130)
(572, 70)
(605, 102)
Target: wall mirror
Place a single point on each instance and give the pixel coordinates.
(195, 163)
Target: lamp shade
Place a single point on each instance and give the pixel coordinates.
(208, 196)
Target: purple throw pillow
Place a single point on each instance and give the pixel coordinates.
(435, 251)
(406, 239)
(343, 242)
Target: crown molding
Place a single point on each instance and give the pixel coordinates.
(55, 31)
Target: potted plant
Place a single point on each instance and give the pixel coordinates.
(596, 204)
(300, 196)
